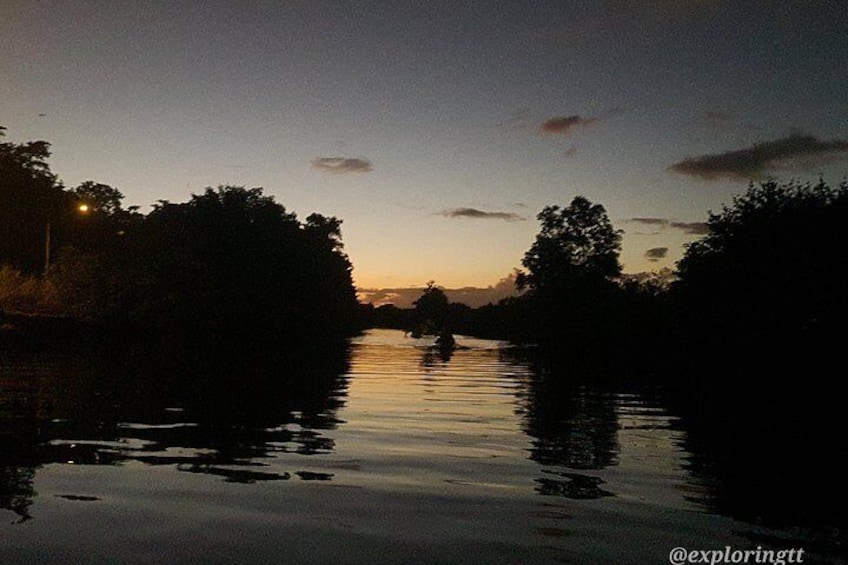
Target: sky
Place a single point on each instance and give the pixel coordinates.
(437, 130)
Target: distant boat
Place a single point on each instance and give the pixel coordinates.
(445, 341)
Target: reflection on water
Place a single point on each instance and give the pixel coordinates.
(577, 428)
(225, 420)
(388, 450)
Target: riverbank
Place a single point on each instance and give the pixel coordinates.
(16, 325)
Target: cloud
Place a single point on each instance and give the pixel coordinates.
(480, 214)
(565, 125)
(722, 121)
(649, 221)
(570, 153)
(797, 151)
(342, 165)
(695, 228)
(656, 253)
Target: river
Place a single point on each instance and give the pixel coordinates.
(390, 453)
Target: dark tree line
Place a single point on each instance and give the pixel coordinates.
(768, 277)
(228, 264)
(763, 288)
(764, 285)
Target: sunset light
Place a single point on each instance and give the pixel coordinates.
(436, 133)
(415, 281)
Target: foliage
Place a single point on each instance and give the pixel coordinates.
(27, 294)
(653, 283)
(431, 310)
(232, 262)
(83, 282)
(576, 244)
(229, 264)
(768, 277)
(100, 197)
(772, 217)
(388, 316)
(572, 265)
(30, 197)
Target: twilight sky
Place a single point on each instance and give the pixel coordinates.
(437, 130)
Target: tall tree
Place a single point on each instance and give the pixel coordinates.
(576, 244)
(570, 277)
(99, 197)
(431, 310)
(31, 199)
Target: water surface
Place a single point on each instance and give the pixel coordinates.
(387, 452)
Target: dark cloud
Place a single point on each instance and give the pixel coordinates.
(656, 253)
(794, 151)
(480, 214)
(649, 221)
(565, 125)
(342, 165)
(697, 228)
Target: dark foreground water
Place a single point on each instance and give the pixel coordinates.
(386, 453)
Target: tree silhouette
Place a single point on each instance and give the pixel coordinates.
(232, 262)
(577, 243)
(431, 310)
(570, 275)
(768, 275)
(30, 198)
(100, 197)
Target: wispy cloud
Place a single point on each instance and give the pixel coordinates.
(656, 253)
(724, 122)
(342, 165)
(480, 214)
(796, 151)
(696, 228)
(649, 221)
(565, 125)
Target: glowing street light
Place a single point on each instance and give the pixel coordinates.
(82, 209)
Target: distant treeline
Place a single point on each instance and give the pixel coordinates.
(762, 293)
(230, 265)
